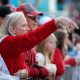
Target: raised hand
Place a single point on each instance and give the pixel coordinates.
(66, 23)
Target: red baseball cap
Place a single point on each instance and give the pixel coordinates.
(29, 10)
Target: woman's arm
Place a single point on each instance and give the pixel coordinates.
(19, 44)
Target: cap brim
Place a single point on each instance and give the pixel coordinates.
(34, 13)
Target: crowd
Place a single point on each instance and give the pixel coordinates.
(34, 47)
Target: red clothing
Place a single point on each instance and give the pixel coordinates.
(58, 60)
(71, 62)
(11, 48)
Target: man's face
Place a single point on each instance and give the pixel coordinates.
(32, 22)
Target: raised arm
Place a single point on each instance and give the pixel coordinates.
(19, 44)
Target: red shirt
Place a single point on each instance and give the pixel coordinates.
(58, 60)
(11, 48)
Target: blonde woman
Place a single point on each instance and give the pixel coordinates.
(44, 53)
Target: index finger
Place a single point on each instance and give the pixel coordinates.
(74, 25)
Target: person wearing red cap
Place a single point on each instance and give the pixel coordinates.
(31, 14)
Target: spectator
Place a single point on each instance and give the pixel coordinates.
(31, 14)
(44, 54)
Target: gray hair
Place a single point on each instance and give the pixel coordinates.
(10, 20)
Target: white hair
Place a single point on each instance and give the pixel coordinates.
(10, 20)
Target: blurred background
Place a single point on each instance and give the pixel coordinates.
(52, 8)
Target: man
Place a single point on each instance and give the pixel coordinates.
(31, 14)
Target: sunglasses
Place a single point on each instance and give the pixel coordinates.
(35, 18)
